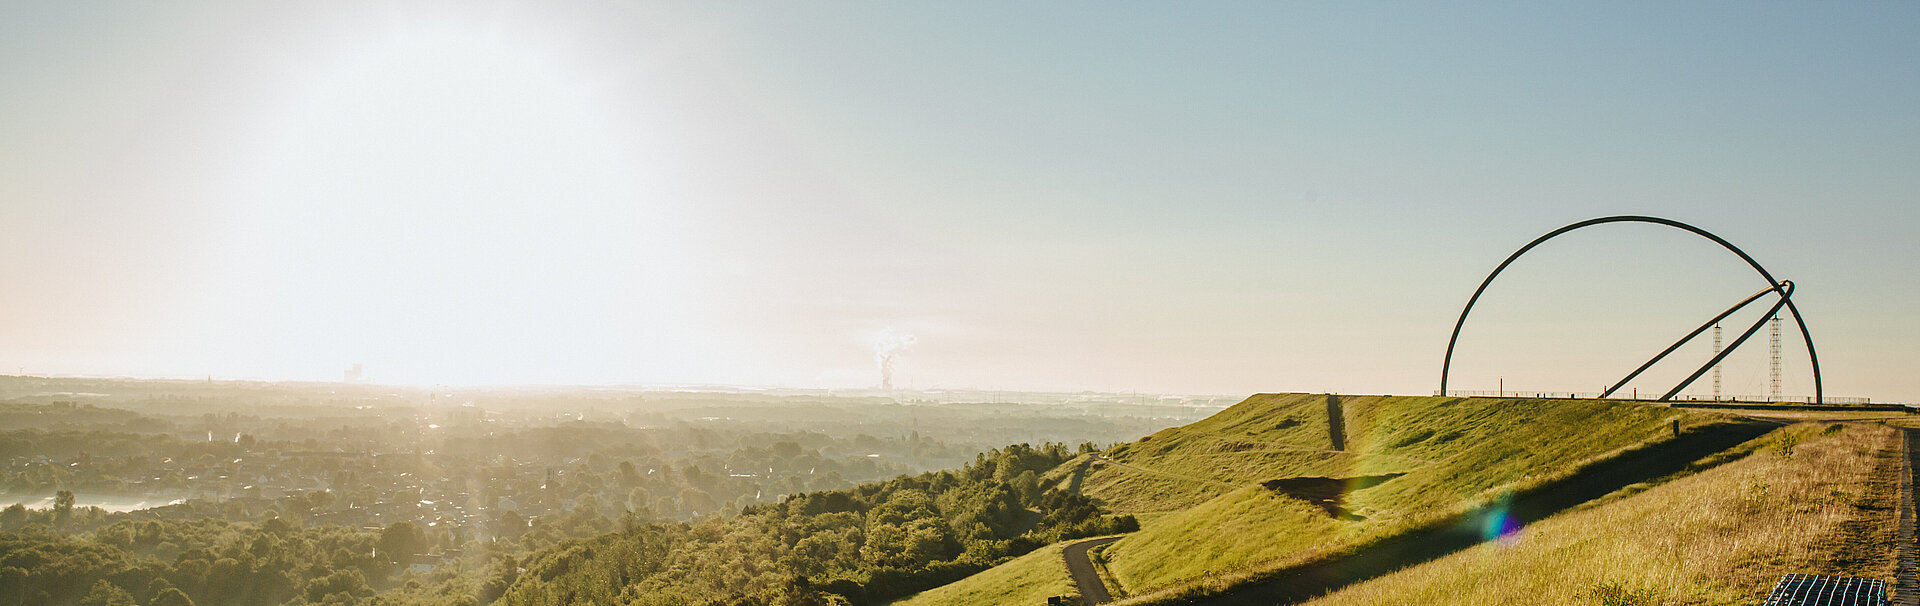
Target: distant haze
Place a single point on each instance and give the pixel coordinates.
(1222, 198)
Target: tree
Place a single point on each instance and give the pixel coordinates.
(344, 581)
(320, 500)
(666, 506)
(13, 583)
(62, 507)
(105, 593)
(171, 597)
(1027, 485)
(158, 586)
(509, 523)
(886, 546)
(498, 578)
(14, 517)
(697, 500)
(630, 475)
(401, 539)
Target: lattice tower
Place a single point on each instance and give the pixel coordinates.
(1716, 367)
(1773, 367)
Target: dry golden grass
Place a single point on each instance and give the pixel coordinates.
(1450, 455)
(1812, 498)
(1028, 579)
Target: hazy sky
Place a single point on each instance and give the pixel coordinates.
(1216, 197)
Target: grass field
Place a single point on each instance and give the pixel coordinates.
(1229, 533)
(1145, 493)
(1028, 579)
(1474, 443)
(1812, 498)
(1442, 455)
(1207, 522)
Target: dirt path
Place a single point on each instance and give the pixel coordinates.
(1906, 578)
(1092, 589)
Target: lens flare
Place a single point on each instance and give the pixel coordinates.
(1500, 525)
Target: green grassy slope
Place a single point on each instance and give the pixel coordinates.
(1028, 579)
(1472, 444)
(1443, 455)
(1232, 532)
(1208, 521)
(1811, 499)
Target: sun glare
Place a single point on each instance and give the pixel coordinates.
(450, 204)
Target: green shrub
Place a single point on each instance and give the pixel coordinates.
(1614, 594)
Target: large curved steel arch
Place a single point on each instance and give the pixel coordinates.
(1819, 392)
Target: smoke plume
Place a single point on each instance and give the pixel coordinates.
(885, 349)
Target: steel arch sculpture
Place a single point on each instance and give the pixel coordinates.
(1784, 289)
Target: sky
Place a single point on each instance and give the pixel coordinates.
(1227, 197)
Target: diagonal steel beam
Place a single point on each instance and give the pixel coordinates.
(1783, 287)
(1785, 296)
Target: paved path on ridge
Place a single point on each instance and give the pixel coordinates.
(1906, 578)
(1092, 589)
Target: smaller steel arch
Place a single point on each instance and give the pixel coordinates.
(1813, 358)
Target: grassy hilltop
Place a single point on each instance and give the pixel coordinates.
(1811, 498)
(1258, 486)
(1432, 457)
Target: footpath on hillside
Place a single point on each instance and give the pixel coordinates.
(1092, 589)
(1906, 580)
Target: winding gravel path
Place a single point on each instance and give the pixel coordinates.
(1092, 590)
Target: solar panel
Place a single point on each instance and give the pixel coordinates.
(1823, 590)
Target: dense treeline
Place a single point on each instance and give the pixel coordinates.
(862, 545)
(857, 546)
(101, 461)
(212, 562)
(99, 442)
(69, 415)
(378, 495)
(205, 561)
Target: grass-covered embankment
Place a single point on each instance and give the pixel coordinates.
(1242, 528)
(1028, 579)
(1429, 459)
(1811, 498)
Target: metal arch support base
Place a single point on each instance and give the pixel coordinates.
(1773, 285)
